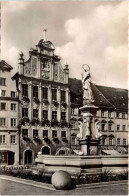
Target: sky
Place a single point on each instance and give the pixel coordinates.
(83, 32)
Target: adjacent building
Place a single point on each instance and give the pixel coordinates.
(9, 132)
(112, 114)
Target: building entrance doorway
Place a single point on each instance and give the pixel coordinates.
(28, 157)
(10, 158)
(46, 150)
(7, 157)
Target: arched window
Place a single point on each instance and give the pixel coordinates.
(46, 150)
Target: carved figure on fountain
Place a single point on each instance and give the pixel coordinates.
(86, 81)
(97, 131)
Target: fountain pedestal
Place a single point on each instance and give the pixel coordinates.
(89, 142)
(93, 148)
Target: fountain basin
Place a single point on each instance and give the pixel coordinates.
(81, 165)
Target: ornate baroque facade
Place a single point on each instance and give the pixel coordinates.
(44, 105)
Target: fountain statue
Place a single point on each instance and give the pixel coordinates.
(89, 130)
(86, 81)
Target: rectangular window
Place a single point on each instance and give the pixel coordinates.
(2, 106)
(24, 112)
(45, 93)
(25, 132)
(102, 113)
(2, 139)
(13, 94)
(123, 115)
(25, 90)
(117, 114)
(124, 141)
(124, 127)
(103, 141)
(80, 112)
(73, 111)
(103, 127)
(54, 134)
(13, 122)
(54, 94)
(35, 113)
(118, 127)
(13, 139)
(35, 132)
(118, 141)
(63, 134)
(109, 115)
(63, 115)
(73, 140)
(35, 91)
(2, 121)
(45, 133)
(63, 96)
(2, 81)
(73, 125)
(13, 106)
(110, 141)
(54, 115)
(109, 127)
(45, 114)
(3, 93)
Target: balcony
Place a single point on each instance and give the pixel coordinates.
(45, 101)
(45, 122)
(37, 139)
(26, 139)
(55, 103)
(63, 123)
(64, 104)
(54, 123)
(25, 99)
(46, 139)
(36, 100)
(64, 139)
(35, 121)
(24, 121)
(56, 140)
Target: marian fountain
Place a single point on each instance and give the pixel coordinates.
(90, 163)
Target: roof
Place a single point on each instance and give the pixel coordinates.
(105, 97)
(5, 66)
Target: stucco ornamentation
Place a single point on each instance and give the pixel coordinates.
(97, 131)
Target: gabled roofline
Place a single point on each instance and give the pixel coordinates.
(3, 63)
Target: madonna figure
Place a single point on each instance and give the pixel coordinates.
(86, 80)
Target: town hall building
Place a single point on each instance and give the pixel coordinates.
(44, 102)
